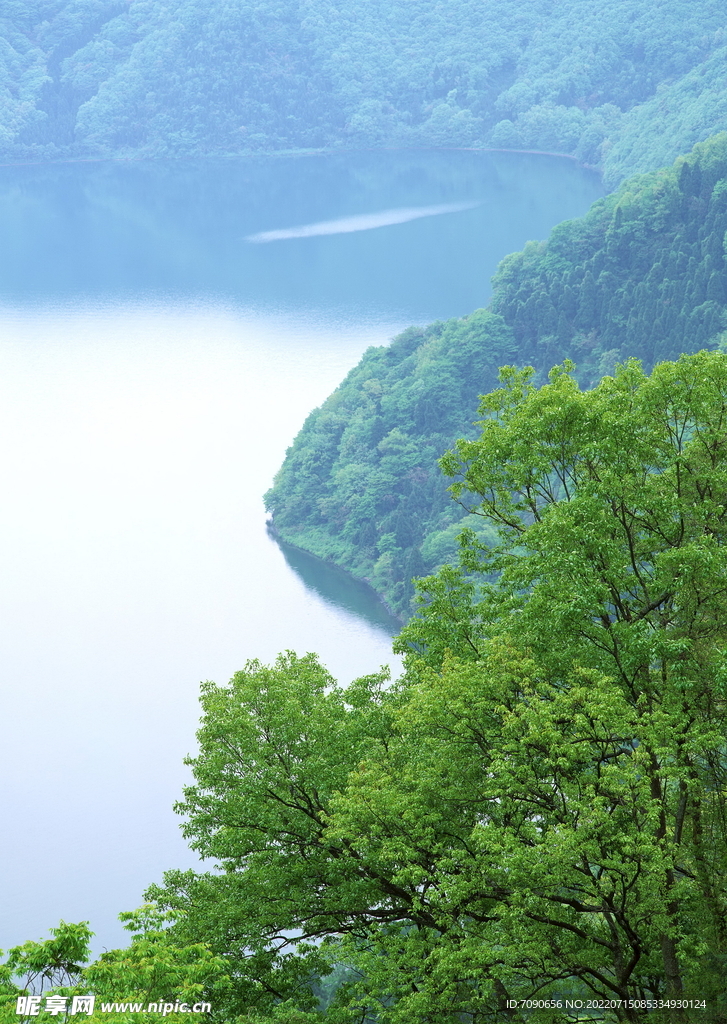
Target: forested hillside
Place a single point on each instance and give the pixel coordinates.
(624, 83)
(643, 274)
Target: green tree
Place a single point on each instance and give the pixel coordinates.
(47, 966)
(537, 811)
(155, 967)
(612, 519)
(152, 969)
(275, 745)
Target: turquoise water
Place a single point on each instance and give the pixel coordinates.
(182, 228)
(155, 363)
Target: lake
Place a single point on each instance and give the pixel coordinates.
(164, 330)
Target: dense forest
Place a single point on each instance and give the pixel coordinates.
(623, 84)
(643, 274)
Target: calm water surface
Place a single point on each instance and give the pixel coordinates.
(155, 363)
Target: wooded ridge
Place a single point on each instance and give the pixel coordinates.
(622, 84)
(642, 275)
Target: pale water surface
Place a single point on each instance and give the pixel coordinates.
(154, 366)
(134, 562)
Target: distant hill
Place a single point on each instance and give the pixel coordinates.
(626, 84)
(643, 274)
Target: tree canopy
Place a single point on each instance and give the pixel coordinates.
(534, 816)
(531, 824)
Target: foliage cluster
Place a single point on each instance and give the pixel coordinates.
(643, 274)
(537, 811)
(121, 77)
(155, 968)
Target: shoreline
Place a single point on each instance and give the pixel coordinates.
(267, 153)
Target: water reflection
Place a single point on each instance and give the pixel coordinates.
(339, 589)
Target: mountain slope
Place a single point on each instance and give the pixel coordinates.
(163, 77)
(643, 274)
